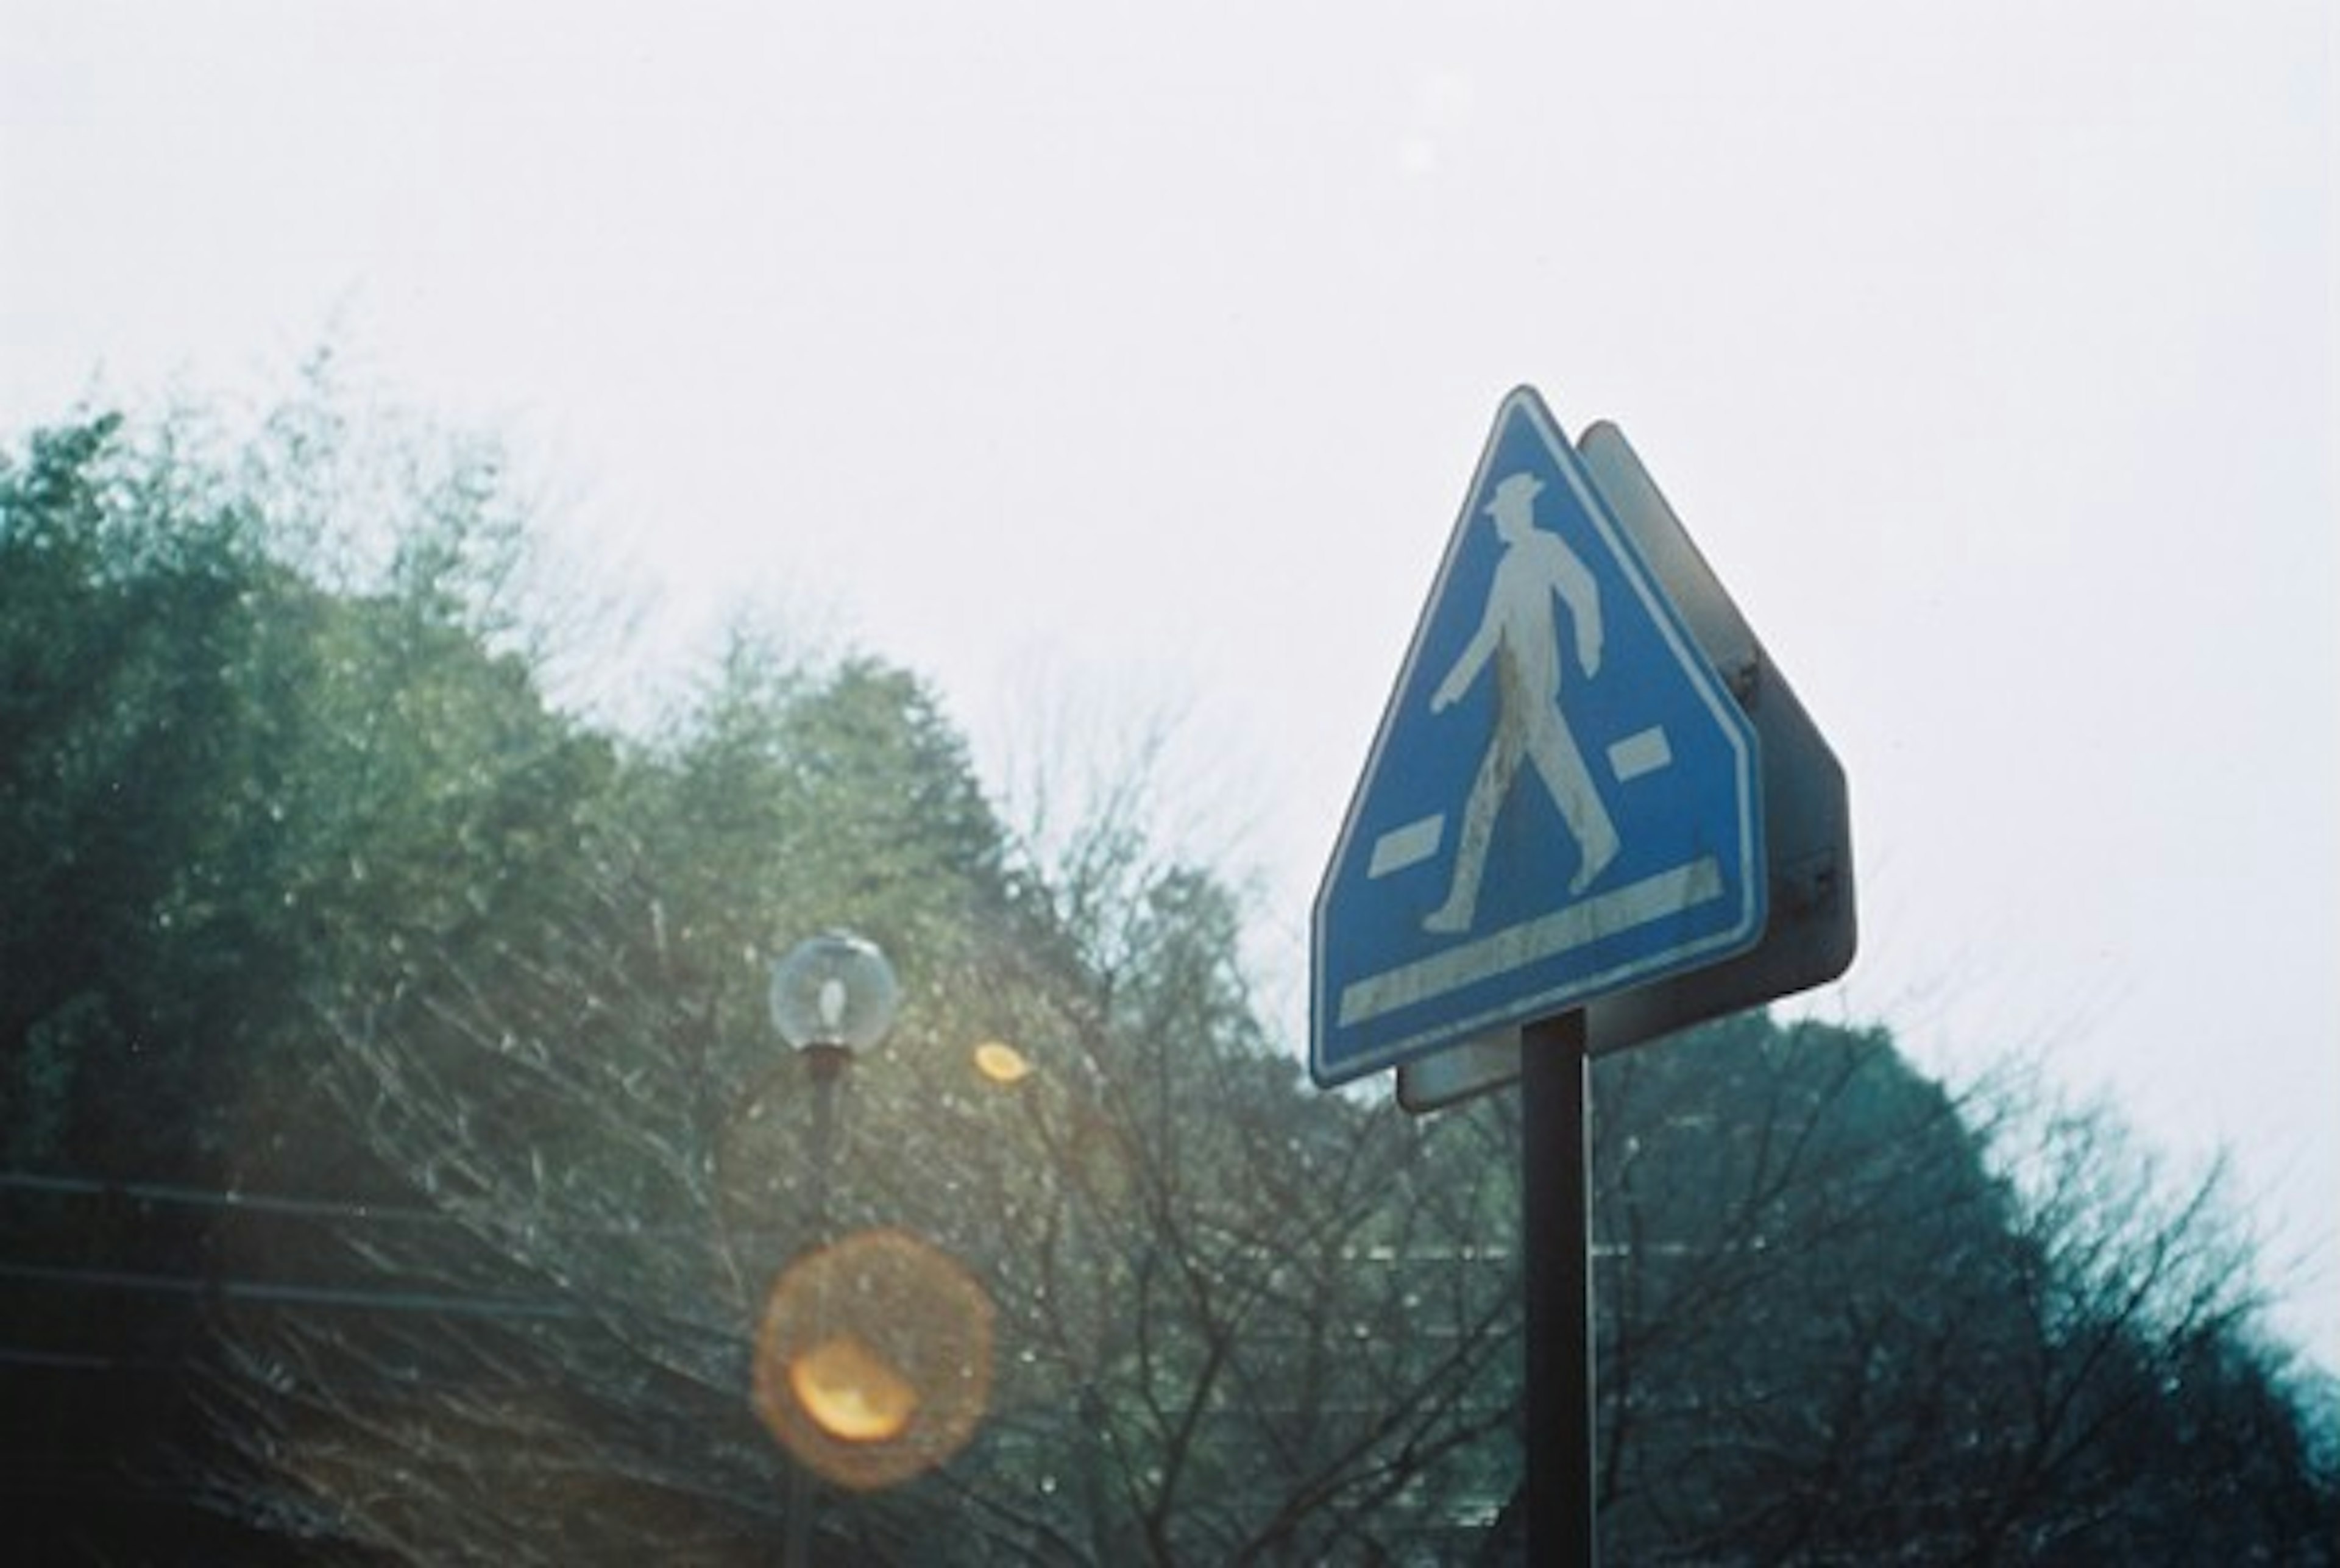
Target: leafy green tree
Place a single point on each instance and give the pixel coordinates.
(117, 743)
(226, 788)
(222, 784)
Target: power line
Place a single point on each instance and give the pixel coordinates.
(255, 1292)
(179, 1195)
(173, 1192)
(73, 1360)
(272, 1294)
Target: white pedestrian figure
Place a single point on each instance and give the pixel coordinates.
(1519, 634)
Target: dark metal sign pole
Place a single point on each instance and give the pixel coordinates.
(1556, 1244)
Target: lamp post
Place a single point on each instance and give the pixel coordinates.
(831, 994)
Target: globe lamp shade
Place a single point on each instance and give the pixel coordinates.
(835, 989)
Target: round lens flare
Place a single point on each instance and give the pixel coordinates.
(1002, 1063)
(873, 1361)
(850, 1391)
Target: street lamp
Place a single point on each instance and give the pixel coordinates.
(834, 992)
(831, 994)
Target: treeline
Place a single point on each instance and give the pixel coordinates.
(397, 1159)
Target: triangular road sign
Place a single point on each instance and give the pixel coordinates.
(1812, 926)
(1562, 801)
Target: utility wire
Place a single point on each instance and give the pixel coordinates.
(254, 1292)
(190, 1197)
(173, 1193)
(270, 1294)
(75, 1360)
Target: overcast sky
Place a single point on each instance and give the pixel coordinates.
(1141, 359)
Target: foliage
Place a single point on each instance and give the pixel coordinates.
(226, 789)
(589, 1103)
(309, 888)
(221, 784)
(1836, 1329)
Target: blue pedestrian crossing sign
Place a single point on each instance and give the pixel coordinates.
(1562, 801)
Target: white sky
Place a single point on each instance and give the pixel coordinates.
(1989, 348)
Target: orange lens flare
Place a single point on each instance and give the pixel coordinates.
(850, 1391)
(873, 1361)
(1002, 1063)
